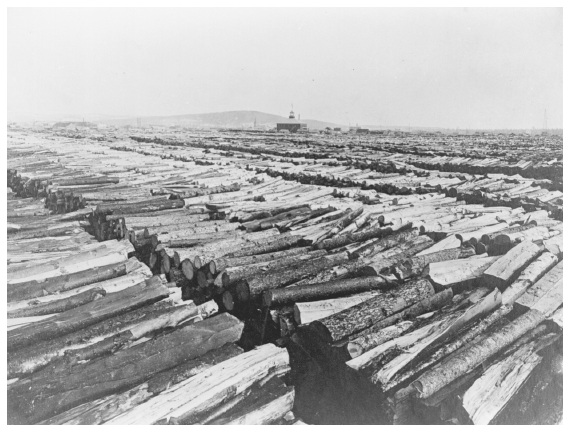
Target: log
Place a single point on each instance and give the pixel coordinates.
(383, 262)
(506, 268)
(413, 267)
(345, 323)
(474, 331)
(231, 275)
(60, 305)
(546, 288)
(449, 242)
(529, 276)
(346, 239)
(464, 361)
(264, 405)
(448, 273)
(555, 245)
(103, 410)
(322, 291)
(490, 238)
(429, 304)
(220, 264)
(34, 357)
(446, 327)
(532, 234)
(193, 399)
(38, 288)
(360, 345)
(253, 287)
(88, 314)
(52, 394)
(385, 243)
(273, 246)
(489, 394)
(306, 312)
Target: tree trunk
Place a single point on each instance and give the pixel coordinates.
(58, 306)
(88, 314)
(474, 355)
(505, 269)
(50, 395)
(448, 273)
(307, 312)
(253, 287)
(263, 406)
(191, 401)
(414, 266)
(357, 318)
(304, 293)
(233, 274)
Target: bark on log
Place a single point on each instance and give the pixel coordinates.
(466, 360)
(447, 273)
(75, 319)
(51, 395)
(505, 269)
(490, 238)
(306, 312)
(233, 274)
(191, 400)
(322, 291)
(360, 345)
(34, 357)
(385, 243)
(346, 239)
(274, 246)
(253, 287)
(474, 331)
(413, 267)
(550, 282)
(58, 306)
(38, 288)
(429, 304)
(263, 406)
(357, 318)
(220, 264)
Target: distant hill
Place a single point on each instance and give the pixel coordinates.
(227, 119)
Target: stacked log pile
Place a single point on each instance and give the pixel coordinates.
(409, 295)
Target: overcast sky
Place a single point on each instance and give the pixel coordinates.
(465, 68)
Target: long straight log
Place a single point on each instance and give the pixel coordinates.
(448, 273)
(428, 304)
(414, 266)
(90, 313)
(221, 264)
(505, 269)
(306, 312)
(463, 339)
(357, 318)
(551, 281)
(231, 275)
(346, 239)
(32, 358)
(58, 306)
(322, 291)
(263, 406)
(192, 400)
(474, 355)
(253, 287)
(38, 288)
(52, 394)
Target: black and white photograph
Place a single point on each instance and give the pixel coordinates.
(284, 214)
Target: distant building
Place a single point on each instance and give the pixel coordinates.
(337, 129)
(292, 124)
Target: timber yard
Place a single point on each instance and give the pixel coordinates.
(187, 276)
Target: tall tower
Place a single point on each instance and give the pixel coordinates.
(292, 114)
(545, 125)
